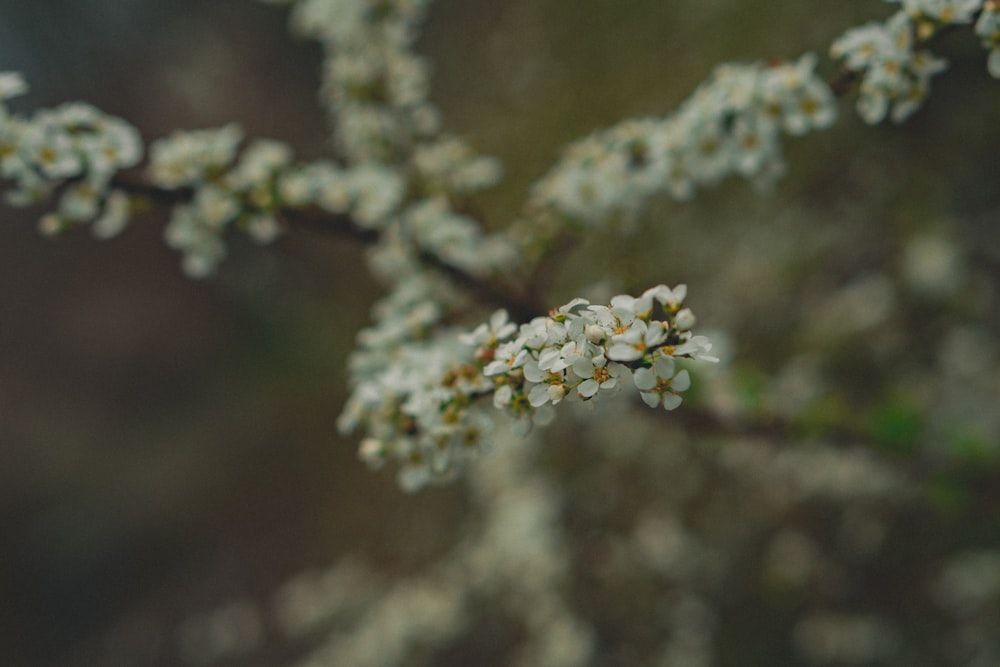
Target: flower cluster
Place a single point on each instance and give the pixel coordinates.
(226, 192)
(415, 401)
(895, 72)
(449, 165)
(251, 192)
(731, 125)
(375, 88)
(74, 149)
(931, 15)
(586, 350)
(412, 387)
(404, 178)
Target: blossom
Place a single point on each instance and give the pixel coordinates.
(414, 395)
(52, 151)
(942, 11)
(895, 78)
(12, 84)
(729, 125)
(659, 386)
(597, 374)
(498, 328)
(640, 337)
(509, 356)
(186, 158)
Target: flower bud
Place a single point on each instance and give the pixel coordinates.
(684, 319)
(595, 333)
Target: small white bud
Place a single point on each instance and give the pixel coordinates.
(684, 319)
(50, 224)
(595, 333)
(372, 452)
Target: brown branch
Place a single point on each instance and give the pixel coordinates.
(486, 289)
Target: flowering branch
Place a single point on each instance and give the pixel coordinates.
(398, 184)
(419, 410)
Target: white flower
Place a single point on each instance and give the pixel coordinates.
(633, 344)
(945, 11)
(806, 100)
(668, 298)
(554, 359)
(114, 146)
(184, 158)
(263, 228)
(215, 206)
(895, 78)
(373, 452)
(659, 386)
(259, 162)
(376, 192)
(490, 333)
(52, 151)
(12, 84)
(509, 356)
(597, 375)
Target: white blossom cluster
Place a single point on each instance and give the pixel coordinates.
(374, 87)
(406, 178)
(415, 400)
(931, 15)
(251, 191)
(73, 150)
(731, 125)
(895, 71)
(226, 192)
(585, 350)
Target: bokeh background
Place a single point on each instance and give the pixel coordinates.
(169, 446)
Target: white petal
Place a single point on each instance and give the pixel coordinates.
(644, 379)
(624, 302)
(664, 368)
(681, 381)
(583, 367)
(661, 293)
(671, 401)
(539, 395)
(993, 63)
(624, 352)
(532, 372)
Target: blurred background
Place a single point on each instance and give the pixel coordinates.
(169, 447)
